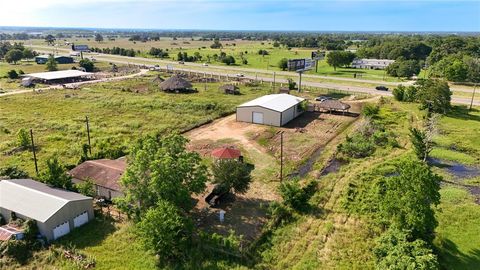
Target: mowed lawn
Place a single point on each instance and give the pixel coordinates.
(116, 112)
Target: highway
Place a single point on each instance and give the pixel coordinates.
(263, 75)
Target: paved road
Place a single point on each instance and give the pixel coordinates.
(22, 91)
(193, 67)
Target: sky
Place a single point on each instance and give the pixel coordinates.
(281, 15)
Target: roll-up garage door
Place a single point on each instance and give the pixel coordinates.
(80, 220)
(257, 117)
(61, 230)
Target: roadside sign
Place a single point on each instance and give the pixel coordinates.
(300, 64)
(318, 55)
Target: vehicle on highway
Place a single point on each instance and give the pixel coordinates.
(323, 98)
(381, 88)
(181, 62)
(240, 75)
(205, 64)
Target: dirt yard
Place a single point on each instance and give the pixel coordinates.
(246, 213)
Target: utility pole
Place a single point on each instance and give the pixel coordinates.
(205, 79)
(316, 65)
(273, 85)
(281, 157)
(88, 134)
(33, 150)
(473, 96)
(300, 81)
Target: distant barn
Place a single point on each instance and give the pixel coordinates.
(42, 59)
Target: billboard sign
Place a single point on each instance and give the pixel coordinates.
(300, 64)
(318, 55)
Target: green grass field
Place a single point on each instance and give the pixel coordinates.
(116, 112)
(249, 49)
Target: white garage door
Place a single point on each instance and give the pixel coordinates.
(61, 230)
(80, 220)
(257, 117)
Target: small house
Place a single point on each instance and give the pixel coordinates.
(56, 211)
(226, 153)
(105, 175)
(274, 110)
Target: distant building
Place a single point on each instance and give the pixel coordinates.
(274, 110)
(105, 175)
(371, 63)
(80, 48)
(56, 211)
(42, 59)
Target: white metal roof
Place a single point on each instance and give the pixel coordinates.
(276, 102)
(61, 74)
(33, 199)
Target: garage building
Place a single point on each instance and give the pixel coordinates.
(42, 59)
(56, 211)
(273, 110)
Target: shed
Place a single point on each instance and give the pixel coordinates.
(56, 211)
(226, 153)
(333, 105)
(61, 59)
(52, 76)
(284, 90)
(176, 84)
(273, 110)
(229, 89)
(104, 173)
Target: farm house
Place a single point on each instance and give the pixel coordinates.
(105, 175)
(273, 110)
(56, 211)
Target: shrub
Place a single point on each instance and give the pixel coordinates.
(370, 110)
(87, 64)
(16, 249)
(12, 74)
(13, 172)
(23, 138)
(398, 92)
(86, 188)
(357, 146)
(295, 196)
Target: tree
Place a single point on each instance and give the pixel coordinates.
(228, 60)
(395, 251)
(56, 175)
(407, 199)
(276, 44)
(23, 138)
(28, 53)
(283, 64)
(216, 44)
(86, 188)
(434, 95)
(340, 58)
(13, 56)
(98, 37)
(165, 230)
(403, 68)
(50, 39)
(231, 174)
(12, 74)
(87, 64)
(51, 64)
(370, 110)
(457, 71)
(160, 168)
(422, 140)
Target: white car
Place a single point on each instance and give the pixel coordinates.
(240, 75)
(205, 64)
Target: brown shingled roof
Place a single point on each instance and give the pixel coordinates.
(175, 83)
(103, 172)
